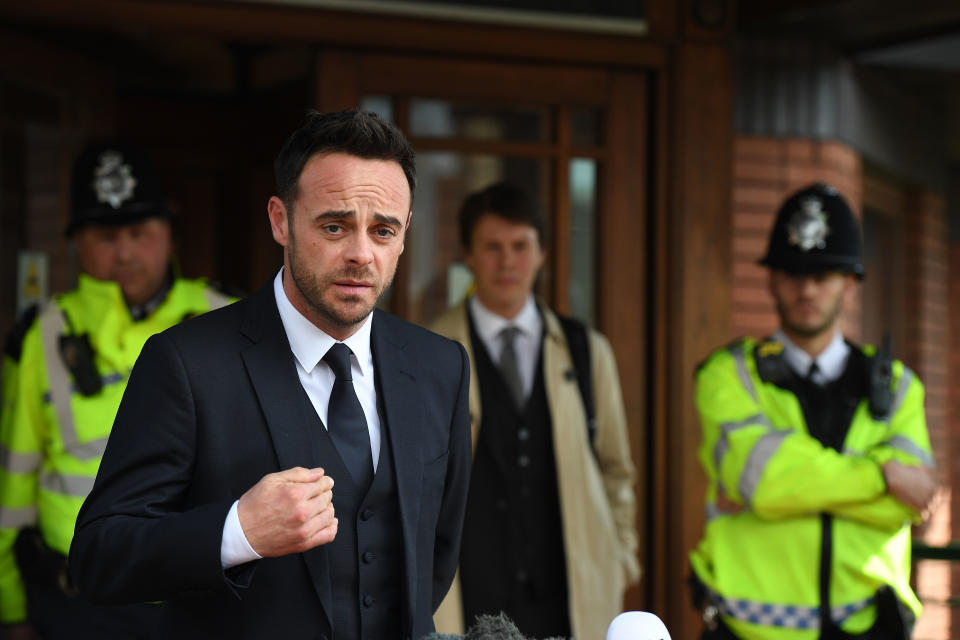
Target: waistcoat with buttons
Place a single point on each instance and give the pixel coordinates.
(512, 546)
(366, 557)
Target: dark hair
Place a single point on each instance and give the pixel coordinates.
(359, 133)
(502, 199)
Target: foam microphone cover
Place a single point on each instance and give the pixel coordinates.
(637, 625)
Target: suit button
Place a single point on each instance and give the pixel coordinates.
(368, 557)
(524, 460)
(501, 505)
(368, 601)
(366, 514)
(521, 575)
(523, 433)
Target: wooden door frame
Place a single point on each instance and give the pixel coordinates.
(623, 197)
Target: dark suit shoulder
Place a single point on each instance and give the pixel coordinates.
(402, 331)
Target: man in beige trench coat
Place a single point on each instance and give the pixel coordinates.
(549, 536)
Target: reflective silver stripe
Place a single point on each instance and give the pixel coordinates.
(757, 461)
(67, 485)
(51, 328)
(17, 518)
(61, 388)
(713, 511)
(726, 428)
(784, 615)
(14, 462)
(216, 299)
(740, 357)
(902, 389)
(760, 419)
(89, 450)
(908, 446)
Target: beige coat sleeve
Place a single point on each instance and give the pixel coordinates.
(612, 445)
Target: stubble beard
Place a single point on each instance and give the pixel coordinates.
(807, 331)
(313, 288)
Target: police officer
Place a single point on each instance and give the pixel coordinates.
(816, 454)
(64, 371)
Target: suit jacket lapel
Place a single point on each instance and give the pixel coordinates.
(272, 370)
(396, 382)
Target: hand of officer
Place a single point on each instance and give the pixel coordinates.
(727, 505)
(911, 485)
(288, 512)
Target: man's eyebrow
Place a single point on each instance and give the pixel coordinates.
(334, 215)
(385, 219)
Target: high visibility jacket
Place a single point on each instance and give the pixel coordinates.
(52, 437)
(797, 499)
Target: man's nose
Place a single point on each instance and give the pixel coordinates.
(124, 247)
(808, 285)
(360, 249)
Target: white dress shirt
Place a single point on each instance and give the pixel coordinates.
(831, 362)
(309, 344)
(526, 343)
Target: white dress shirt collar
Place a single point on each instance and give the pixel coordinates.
(489, 325)
(831, 362)
(309, 343)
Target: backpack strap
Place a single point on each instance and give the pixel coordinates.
(578, 342)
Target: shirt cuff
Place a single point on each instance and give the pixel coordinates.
(234, 548)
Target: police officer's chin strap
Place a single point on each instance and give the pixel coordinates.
(140, 311)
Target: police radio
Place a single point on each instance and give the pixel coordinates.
(881, 381)
(77, 354)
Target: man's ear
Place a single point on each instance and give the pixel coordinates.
(279, 219)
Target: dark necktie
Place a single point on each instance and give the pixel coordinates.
(346, 423)
(813, 371)
(510, 368)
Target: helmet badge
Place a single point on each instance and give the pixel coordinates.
(808, 227)
(112, 180)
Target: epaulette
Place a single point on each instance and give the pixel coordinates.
(13, 347)
(771, 366)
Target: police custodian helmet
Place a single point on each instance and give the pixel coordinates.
(815, 231)
(114, 183)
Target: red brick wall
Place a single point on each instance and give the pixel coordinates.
(766, 170)
(950, 469)
(927, 353)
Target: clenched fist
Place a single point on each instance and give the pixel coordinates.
(288, 512)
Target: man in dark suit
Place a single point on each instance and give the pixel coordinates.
(216, 493)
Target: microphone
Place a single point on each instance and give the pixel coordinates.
(637, 625)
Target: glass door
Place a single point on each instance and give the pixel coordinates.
(463, 146)
(577, 139)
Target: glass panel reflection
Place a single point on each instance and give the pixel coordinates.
(583, 211)
(445, 119)
(436, 277)
(380, 105)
